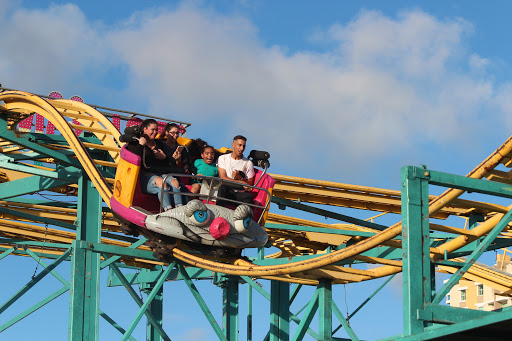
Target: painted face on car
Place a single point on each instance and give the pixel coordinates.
(209, 224)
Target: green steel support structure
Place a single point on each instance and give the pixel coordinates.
(415, 243)
(249, 313)
(230, 307)
(279, 311)
(325, 310)
(156, 324)
(422, 312)
(85, 266)
(423, 315)
(156, 308)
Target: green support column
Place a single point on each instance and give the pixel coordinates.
(416, 269)
(156, 307)
(249, 313)
(307, 317)
(473, 220)
(325, 310)
(279, 311)
(230, 308)
(85, 265)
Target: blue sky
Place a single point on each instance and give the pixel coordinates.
(345, 91)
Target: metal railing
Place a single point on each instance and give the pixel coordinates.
(214, 183)
(109, 112)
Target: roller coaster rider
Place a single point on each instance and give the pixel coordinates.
(176, 153)
(236, 167)
(155, 164)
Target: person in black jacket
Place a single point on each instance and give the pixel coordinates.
(177, 154)
(155, 164)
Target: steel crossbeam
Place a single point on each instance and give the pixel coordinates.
(421, 301)
(202, 304)
(416, 246)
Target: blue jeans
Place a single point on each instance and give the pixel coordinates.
(147, 182)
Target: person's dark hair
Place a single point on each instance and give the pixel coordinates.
(168, 127)
(147, 122)
(207, 146)
(240, 137)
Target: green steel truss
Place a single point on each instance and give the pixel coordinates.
(424, 317)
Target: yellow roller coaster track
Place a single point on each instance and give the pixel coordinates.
(19, 105)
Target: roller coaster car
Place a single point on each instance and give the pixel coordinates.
(200, 220)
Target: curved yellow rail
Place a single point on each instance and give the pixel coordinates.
(18, 100)
(437, 204)
(305, 271)
(99, 122)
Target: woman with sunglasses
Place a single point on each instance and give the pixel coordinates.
(178, 154)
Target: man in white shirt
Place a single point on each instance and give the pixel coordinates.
(236, 167)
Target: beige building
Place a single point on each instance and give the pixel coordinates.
(473, 295)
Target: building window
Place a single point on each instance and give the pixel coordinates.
(463, 295)
(480, 289)
(480, 308)
(504, 304)
(448, 298)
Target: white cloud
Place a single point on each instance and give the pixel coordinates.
(195, 334)
(387, 85)
(503, 102)
(7, 5)
(396, 284)
(415, 44)
(47, 48)
(477, 63)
